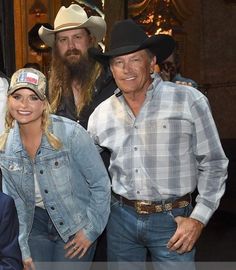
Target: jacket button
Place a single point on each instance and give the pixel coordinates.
(41, 171)
(46, 191)
(61, 223)
(56, 163)
(53, 208)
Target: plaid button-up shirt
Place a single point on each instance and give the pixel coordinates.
(170, 148)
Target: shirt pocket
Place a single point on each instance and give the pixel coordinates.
(60, 174)
(170, 136)
(180, 136)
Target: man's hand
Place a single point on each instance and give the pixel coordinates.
(28, 264)
(78, 245)
(186, 235)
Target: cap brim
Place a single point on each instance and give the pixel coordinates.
(25, 85)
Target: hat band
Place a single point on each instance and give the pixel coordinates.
(67, 25)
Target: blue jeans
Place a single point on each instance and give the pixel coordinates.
(131, 236)
(46, 245)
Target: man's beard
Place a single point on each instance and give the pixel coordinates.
(79, 65)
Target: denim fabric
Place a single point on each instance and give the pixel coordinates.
(130, 236)
(73, 182)
(46, 245)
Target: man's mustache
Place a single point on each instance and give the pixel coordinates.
(73, 52)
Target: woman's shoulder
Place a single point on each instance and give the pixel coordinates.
(61, 124)
(62, 121)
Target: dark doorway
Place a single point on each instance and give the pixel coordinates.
(7, 44)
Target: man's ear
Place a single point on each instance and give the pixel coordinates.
(153, 63)
(154, 60)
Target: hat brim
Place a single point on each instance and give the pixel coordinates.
(96, 26)
(160, 45)
(25, 85)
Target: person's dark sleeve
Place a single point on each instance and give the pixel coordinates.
(10, 254)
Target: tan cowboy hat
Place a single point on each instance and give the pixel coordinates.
(73, 17)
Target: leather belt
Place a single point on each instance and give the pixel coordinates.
(150, 207)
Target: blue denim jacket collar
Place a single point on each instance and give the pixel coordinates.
(17, 145)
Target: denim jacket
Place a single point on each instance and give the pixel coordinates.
(73, 182)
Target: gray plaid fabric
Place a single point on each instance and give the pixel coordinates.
(168, 150)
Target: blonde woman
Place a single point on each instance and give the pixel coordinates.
(55, 175)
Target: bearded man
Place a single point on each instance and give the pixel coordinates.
(76, 83)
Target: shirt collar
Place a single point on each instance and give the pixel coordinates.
(154, 86)
(17, 145)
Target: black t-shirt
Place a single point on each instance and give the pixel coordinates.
(105, 87)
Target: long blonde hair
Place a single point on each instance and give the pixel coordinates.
(52, 139)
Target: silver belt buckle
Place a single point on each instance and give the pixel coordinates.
(138, 206)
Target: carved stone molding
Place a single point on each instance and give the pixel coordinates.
(147, 13)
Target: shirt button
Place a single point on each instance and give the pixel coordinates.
(164, 126)
(56, 163)
(135, 148)
(61, 223)
(52, 207)
(136, 170)
(46, 191)
(138, 192)
(41, 171)
(136, 127)
(39, 152)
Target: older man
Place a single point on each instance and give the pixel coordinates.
(164, 144)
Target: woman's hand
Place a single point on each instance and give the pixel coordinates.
(78, 245)
(28, 264)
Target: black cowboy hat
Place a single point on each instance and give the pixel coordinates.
(128, 37)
